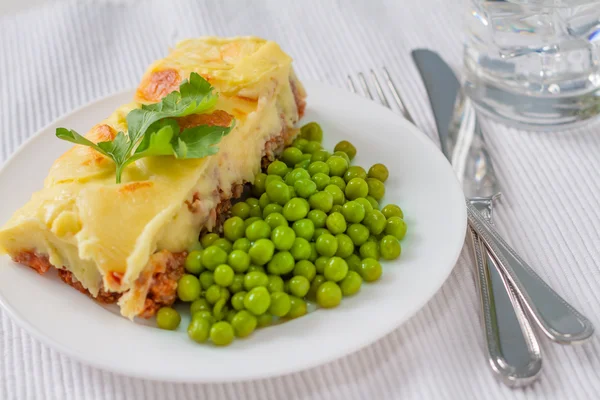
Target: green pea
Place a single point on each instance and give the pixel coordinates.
(353, 211)
(318, 217)
(206, 279)
(370, 269)
(320, 264)
(336, 223)
(318, 167)
(296, 175)
(258, 230)
(242, 244)
(255, 211)
(261, 251)
(313, 252)
(188, 288)
(251, 220)
(321, 180)
(327, 245)
(306, 269)
(337, 166)
(351, 283)
(280, 304)
(297, 308)
(276, 219)
(279, 192)
(305, 187)
(237, 285)
(353, 262)
(237, 300)
(312, 147)
(265, 319)
(264, 201)
(329, 295)
(258, 300)
(199, 305)
(302, 164)
(230, 315)
(255, 279)
(356, 187)
(193, 262)
(347, 148)
(336, 208)
(291, 156)
(345, 245)
(243, 323)
(238, 260)
(336, 193)
(358, 233)
(374, 202)
(321, 201)
(283, 237)
(392, 210)
(270, 209)
(260, 182)
(213, 294)
(233, 228)
(343, 155)
(277, 168)
(199, 330)
(320, 155)
(275, 284)
(299, 286)
(223, 244)
(319, 232)
(241, 210)
(223, 275)
(379, 171)
(304, 228)
(295, 209)
(354, 171)
(312, 131)
(339, 182)
(389, 247)
(375, 221)
(300, 143)
(314, 286)
(365, 203)
(335, 269)
(257, 268)
(281, 264)
(394, 226)
(369, 250)
(300, 249)
(269, 179)
(221, 333)
(168, 318)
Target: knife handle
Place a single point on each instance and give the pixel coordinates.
(556, 318)
(513, 350)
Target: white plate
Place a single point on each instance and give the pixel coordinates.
(421, 182)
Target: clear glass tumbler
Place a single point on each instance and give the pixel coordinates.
(534, 63)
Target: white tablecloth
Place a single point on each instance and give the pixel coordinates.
(64, 55)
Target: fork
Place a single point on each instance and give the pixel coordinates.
(512, 349)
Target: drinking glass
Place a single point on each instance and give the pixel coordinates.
(534, 63)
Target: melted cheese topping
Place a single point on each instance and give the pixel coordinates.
(100, 230)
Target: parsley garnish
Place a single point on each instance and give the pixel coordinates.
(153, 131)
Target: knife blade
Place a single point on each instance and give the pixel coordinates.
(513, 350)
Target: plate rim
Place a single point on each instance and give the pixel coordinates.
(26, 325)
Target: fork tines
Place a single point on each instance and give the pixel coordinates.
(380, 92)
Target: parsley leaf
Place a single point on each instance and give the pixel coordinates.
(153, 131)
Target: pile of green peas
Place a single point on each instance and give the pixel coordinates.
(312, 231)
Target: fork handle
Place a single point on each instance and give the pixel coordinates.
(558, 320)
(512, 348)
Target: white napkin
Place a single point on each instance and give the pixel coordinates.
(64, 55)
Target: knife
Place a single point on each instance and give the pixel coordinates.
(512, 348)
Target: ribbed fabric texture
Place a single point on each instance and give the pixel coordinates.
(59, 57)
